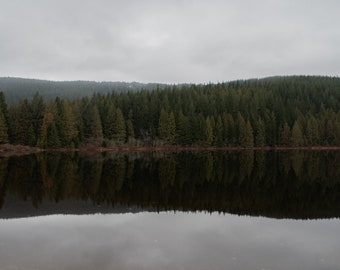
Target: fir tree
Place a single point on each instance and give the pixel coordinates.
(119, 128)
(297, 135)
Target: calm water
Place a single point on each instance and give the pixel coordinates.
(234, 210)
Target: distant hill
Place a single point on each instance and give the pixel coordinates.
(17, 88)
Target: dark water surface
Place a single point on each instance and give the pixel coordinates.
(211, 210)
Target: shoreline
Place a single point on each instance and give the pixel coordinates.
(7, 150)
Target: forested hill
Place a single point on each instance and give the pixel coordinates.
(17, 88)
(280, 111)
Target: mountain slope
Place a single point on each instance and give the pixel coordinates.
(17, 88)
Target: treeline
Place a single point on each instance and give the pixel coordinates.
(16, 89)
(294, 184)
(281, 111)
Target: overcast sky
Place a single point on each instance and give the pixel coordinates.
(168, 41)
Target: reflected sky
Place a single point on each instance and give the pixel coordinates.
(168, 241)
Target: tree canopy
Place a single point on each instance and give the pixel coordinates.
(278, 111)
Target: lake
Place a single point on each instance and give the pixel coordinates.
(206, 210)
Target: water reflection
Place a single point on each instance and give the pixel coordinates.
(168, 241)
(303, 184)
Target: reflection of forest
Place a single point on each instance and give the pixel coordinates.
(278, 184)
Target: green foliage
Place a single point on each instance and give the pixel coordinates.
(21, 128)
(130, 132)
(3, 120)
(260, 134)
(167, 126)
(286, 135)
(288, 111)
(92, 123)
(297, 135)
(119, 128)
(3, 129)
(219, 139)
(209, 133)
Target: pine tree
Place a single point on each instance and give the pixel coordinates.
(219, 140)
(172, 128)
(260, 139)
(249, 135)
(37, 109)
(297, 135)
(21, 129)
(163, 125)
(71, 132)
(245, 131)
(53, 140)
(109, 122)
(130, 132)
(312, 131)
(286, 135)
(230, 130)
(3, 129)
(92, 123)
(167, 126)
(119, 128)
(208, 130)
(44, 130)
(4, 109)
(183, 132)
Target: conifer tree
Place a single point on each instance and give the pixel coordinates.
(260, 139)
(44, 130)
(219, 131)
(4, 109)
(21, 129)
(109, 122)
(130, 132)
(246, 137)
(184, 134)
(297, 135)
(167, 126)
(312, 131)
(209, 134)
(3, 129)
(53, 140)
(286, 135)
(37, 109)
(92, 123)
(119, 128)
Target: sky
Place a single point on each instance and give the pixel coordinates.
(178, 41)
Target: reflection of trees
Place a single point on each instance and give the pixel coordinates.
(246, 164)
(3, 177)
(297, 163)
(25, 179)
(282, 184)
(113, 176)
(167, 172)
(90, 171)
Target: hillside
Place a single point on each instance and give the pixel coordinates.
(17, 88)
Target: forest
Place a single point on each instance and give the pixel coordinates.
(292, 111)
(17, 88)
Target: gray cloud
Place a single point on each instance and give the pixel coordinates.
(168, 41)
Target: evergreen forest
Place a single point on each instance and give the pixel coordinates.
(291, 111)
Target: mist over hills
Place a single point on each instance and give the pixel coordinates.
(17, 88)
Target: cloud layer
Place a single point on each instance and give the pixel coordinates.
(168, 41)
